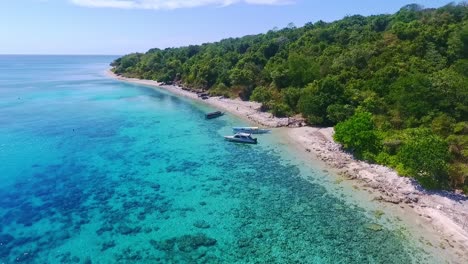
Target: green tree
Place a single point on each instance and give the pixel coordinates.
(291, 97)
(425, 155)
(262, 94)
(317, 97)
(358, 134)
(413, 95)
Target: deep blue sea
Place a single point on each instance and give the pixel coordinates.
(93, 170)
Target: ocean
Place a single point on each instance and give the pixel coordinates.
(94, 170)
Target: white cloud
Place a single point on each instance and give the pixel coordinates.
(171, 4)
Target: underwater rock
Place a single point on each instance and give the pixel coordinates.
(244, 242)
(298, 208)
(5, 239)
(126, 230)
(155, 186)
(24, 257)
(188, 243)
(202, 224)
(215, 193)
(63, 235)
(259, 235)
(4, 251)
(201, 253)
(165, 245)
(202, 203)
(128, 255)
(141, 216)
(106, 245)
(104, 228)
(87, 261)
(374, 227)
(65, 257)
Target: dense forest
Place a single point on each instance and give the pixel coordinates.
(394, 86)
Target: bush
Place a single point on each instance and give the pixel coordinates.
(280, 110)
(425, 156)
(358, 134)
(262, 95)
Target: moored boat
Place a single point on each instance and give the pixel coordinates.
(241, 138)
(250, 130)
(214, 115)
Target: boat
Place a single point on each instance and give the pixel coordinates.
(241, 138)
(250, 130)
(214, 115)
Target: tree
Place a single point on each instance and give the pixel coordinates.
(338, 112)
(262, 94)
(413, 95)
(317, 97)
(358, 135)
(425, 155)
(302, 70)
(291, 97)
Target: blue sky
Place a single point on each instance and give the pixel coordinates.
(124, 26)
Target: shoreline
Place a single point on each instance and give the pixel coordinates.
(443, 213)
(245, 110)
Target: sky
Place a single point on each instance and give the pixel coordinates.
(117, 27)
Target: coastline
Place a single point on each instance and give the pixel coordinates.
(443, 213)
(242, 109)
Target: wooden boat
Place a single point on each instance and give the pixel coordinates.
(214, 115)
(241, 138)
(250, 130)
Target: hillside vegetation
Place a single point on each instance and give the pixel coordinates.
(395, 86)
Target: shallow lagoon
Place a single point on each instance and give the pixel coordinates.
(98, 171)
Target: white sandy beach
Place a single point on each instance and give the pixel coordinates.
(444, 214)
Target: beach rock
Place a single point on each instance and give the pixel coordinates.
(201, 224)
(188, 243)
(393, 200)
(411, 198)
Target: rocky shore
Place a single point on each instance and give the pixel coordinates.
(443, 213)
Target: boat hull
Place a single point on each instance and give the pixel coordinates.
(214, 115)
(251, 131)
(254, 142)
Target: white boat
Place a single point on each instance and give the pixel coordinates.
(250, 130)
(241, 138)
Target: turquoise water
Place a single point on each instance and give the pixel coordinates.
(93, 170)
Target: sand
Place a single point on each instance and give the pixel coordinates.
(443, 214)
